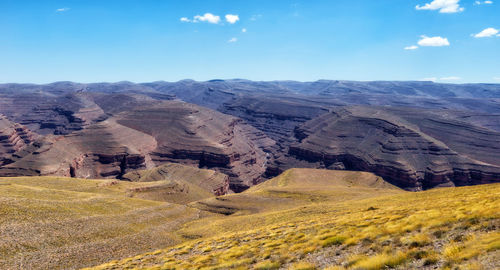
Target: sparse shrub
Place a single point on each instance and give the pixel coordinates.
(452, 252)
(418, 254)
(417, 240)
(267, 265)
(351, 241)
(303, 266)
(309, 249)
(333, 240)
(438, 234)
(431, 259)
(353, 259)
(381, 261)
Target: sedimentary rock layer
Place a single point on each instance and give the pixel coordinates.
(202, 137)
(409, 155)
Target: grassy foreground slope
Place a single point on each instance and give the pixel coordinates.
(63, 223)
(454, 228)
(298, 187)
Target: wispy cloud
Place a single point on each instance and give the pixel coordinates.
(488, 32)
(244, 30)
(444, 6)
(211, 18)
(412, 47)
(232, 19)
(62, 9)
(431, 79)
(496, 78)
(232, 40)
(477, 3)
(207, 17)
(438, 41)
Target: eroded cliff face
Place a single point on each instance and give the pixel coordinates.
(103, 150)
(194, 135)
(425, 135)
(42, 113)
(116, 140)
(373, 140)
(13, 139)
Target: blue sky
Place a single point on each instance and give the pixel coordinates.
(140, 41)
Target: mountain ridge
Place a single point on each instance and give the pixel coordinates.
(253, 131)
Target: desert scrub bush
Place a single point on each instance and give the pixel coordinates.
(333, 240)
(233, 253)
(431, 258)
(381, 261)
(203, 259)
(417, 240)
(267, 265)
(473, 247)
(302, 266)
(235, 264)
(354, 259)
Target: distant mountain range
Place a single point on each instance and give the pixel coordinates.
(416, 135)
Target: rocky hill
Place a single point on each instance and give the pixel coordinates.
(417, 135)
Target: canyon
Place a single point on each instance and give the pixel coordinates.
(416, 135)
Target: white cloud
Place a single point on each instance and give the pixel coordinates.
(185, 19)
(451, 78)
(62, 9)
(483, 2)
(412, 47)
(230, 18)
(232, 40)
(432, 79)
(496, 78)
(244, 30)
(207, 17)
(444, 6)
(426, 41)
(488, 32)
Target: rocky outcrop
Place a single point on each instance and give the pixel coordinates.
(204, 138)
(274, 116)
(13, 138)
(373, 140)
(209, 180)
(42, 113)
(103, 150)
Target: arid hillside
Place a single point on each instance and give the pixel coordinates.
(348, 221)
(416, 135)
(302, 219)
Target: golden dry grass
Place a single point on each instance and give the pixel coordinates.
(304, 219)
(51, 222)
(297, 187)
(454, 228)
